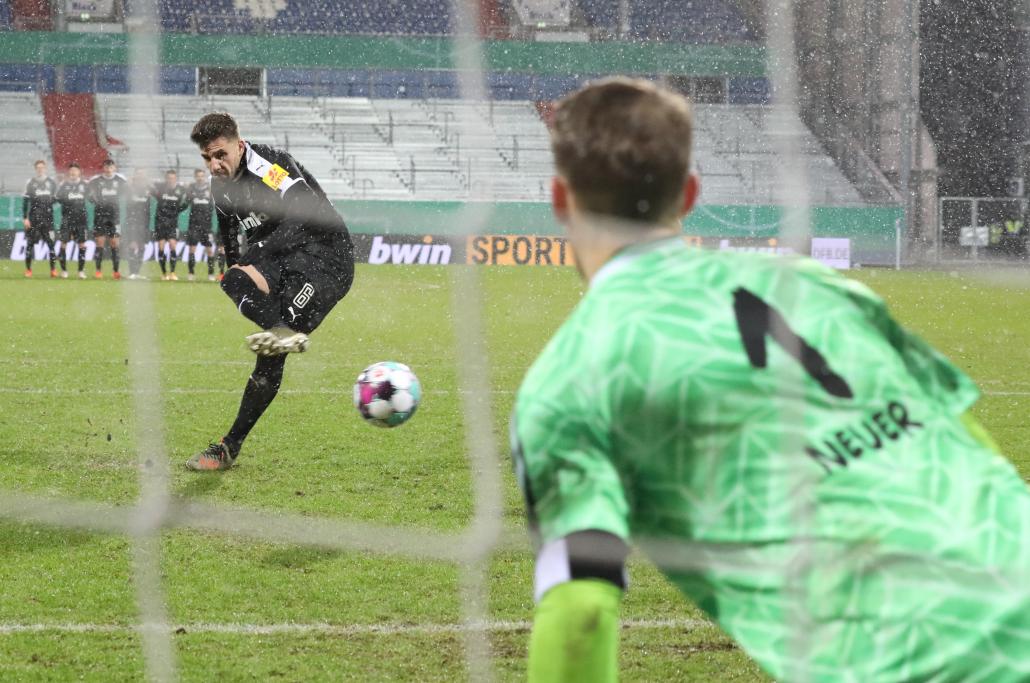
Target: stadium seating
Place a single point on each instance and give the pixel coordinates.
(456, 149)
(23, 139)
(687, 21)
(396, 17)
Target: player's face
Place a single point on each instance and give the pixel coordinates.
(40, 170)
(222, 156)
(74, 174)
(108, 170)
(199, 177)
(171, 179)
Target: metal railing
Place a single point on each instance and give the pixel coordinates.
(973, 229)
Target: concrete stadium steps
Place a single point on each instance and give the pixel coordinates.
(23, 138)
(459, 149)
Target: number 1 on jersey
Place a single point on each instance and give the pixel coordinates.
(756, 320)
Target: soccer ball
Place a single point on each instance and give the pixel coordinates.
(387, 394)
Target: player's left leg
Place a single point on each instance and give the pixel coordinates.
(48, 237)
(173, 257)
(30, 244)
(115, 240)
(98, 254)
(210, 259)
(191, 255)
(82, 255)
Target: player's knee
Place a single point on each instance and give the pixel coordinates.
(237, 283)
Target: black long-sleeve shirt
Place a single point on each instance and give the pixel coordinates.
(72, 196)
(171, 201)
(276, 203)
(107, 195)
(199, 197)
(39, 197)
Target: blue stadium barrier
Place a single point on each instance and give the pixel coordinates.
(749, 90)
(178, 80)
(6, 19)
(26, 77)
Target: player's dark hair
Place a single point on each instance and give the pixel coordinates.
(74, 164)
(38, 162)
(108, 162)
(623, 145)
(210, 127)
(171, 171)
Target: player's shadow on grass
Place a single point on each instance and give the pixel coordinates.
(199, 484)
(298, 559)
(18, 538)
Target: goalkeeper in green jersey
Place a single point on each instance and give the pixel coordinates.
(799, 465)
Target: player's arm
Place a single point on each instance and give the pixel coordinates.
(575, 634)
(577, 506)
(26, 204)
(301, 206)
(228, 234)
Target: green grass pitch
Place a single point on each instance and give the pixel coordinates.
(67, 604)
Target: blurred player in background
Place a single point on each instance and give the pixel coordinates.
(799, 465)
(171, 200)
(137, 221)
(299, 261)
(200, 226)
(72, 196)
(106, 192)
(38, 215)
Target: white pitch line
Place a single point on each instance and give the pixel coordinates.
(502, 626)
(201, 390)
(332, 392)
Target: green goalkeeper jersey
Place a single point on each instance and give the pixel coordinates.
(791, 458)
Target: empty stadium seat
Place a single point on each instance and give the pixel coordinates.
(403, 17)
(445, 149)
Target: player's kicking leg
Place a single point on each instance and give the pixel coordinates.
(286, 308)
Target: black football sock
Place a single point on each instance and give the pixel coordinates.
(28, 257)
(210, 266)
(173, 258)
(98, 257)
(261, 388)
(161, 262)
(53, 254)
(114, 259)
(254, 304)
(64, 260)
(221, 263)
(191, 262)
(82, 257)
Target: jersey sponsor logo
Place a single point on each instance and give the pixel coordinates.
(519, 250)
(408, 253)
(304, 295)
(253, 220)
(109, 193)
(275, 176)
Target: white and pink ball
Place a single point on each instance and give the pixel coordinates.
(387, 394)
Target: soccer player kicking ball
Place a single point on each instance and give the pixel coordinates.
(798, 464)
(298, 264)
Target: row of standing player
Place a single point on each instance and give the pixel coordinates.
(108, 191)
